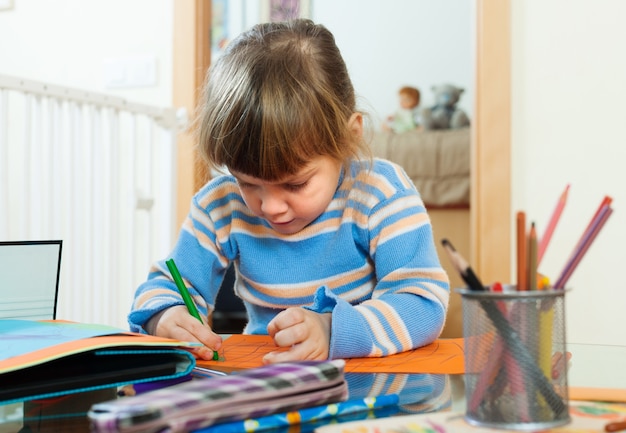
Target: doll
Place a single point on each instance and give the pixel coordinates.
(406, 117)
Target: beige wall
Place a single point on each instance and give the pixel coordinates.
(568, 126)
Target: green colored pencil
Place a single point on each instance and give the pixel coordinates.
(183, 290)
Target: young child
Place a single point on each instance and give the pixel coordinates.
(333, 250)
(407, 116)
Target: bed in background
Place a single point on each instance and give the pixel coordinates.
(438, 162)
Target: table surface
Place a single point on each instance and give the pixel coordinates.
(593, 366)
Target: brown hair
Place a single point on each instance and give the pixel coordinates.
(278, 96)
(411, 92)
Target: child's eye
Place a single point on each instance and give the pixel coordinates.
(296, 186)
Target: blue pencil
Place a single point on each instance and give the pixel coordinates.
(306, 415)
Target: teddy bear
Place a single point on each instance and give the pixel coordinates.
(445, 114)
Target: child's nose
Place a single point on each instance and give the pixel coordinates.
(273, 204)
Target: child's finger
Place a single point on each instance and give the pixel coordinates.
(278, 356)
(204, 353)
(283, 320)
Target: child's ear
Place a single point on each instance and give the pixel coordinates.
(356, 124)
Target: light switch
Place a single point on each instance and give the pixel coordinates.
(124, 72)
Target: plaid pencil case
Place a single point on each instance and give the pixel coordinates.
(207, 401)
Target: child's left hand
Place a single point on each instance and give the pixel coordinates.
(306, 332)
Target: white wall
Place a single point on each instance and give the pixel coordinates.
(568, 93)
(391, 43)
(386, 43)
(66, 42)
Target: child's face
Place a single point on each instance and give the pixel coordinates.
(294, 202)
(407, 101)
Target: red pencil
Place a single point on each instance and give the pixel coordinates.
(545, 239)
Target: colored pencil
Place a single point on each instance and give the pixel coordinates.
(191, 307)
(583, 245)
(606, 201)
(522, 243)
(554, 219)
(510, 338)
(498, 359)
(532, 258)
(464, 269)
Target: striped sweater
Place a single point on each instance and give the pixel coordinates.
(370, 259)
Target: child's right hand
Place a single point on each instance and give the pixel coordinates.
(177, 323)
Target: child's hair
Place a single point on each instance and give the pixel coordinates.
(277, 97)
(411, 92)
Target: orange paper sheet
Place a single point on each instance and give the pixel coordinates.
(444, 356)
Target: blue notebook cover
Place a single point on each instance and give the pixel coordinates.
(41, 359)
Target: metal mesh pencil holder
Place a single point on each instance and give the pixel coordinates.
(515, 363)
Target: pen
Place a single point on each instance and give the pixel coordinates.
(182, 289)
(207, 372)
